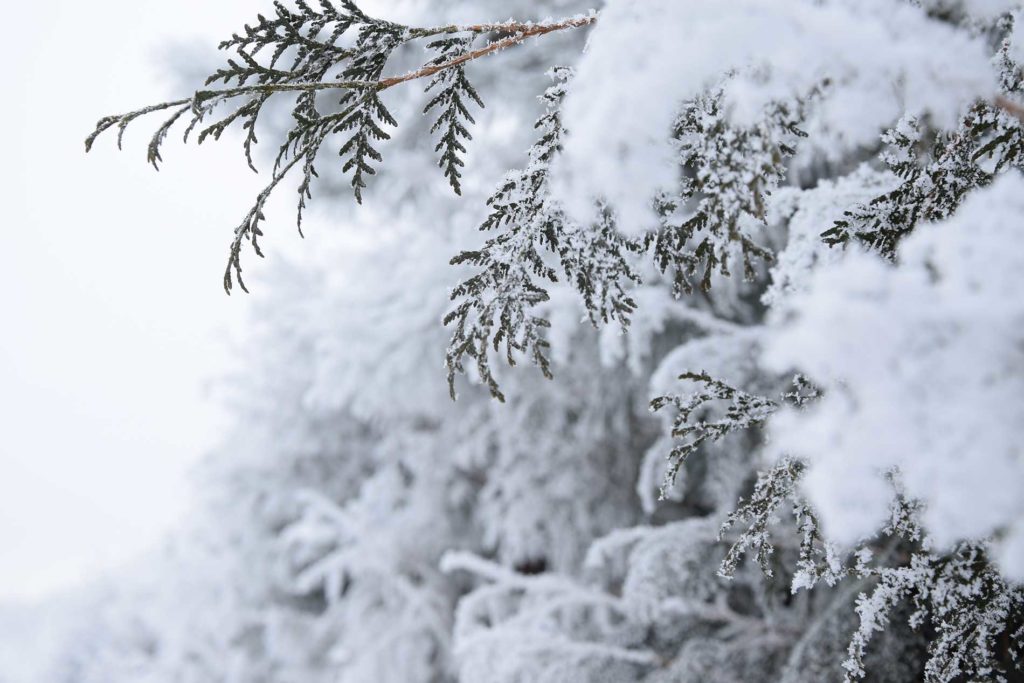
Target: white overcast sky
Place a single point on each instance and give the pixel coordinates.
(111, 313)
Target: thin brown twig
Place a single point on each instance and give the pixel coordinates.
(520, 33)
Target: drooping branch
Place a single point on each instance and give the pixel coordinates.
(520, 32)
(323, 64)
(360, 80)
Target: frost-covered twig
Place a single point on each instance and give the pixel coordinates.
(314, 33)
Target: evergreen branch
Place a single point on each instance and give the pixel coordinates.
(734, 170)
(937, 179)
(772, 490)
(497, 302)
(695, 423)
(314, 33)
(249, 229)
(521, 32)
(690, 425)
(454, 86)
(122, 120)
(932, 188)
(496, 305)
(730, 173)
(714, 229)
(973, 611)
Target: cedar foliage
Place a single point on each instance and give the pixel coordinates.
(647, 607)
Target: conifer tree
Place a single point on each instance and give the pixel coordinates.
(766, 260)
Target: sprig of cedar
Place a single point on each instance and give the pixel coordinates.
(497, 308)
(318, 48)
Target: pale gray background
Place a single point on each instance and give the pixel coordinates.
(111, 313)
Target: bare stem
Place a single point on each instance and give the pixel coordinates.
(520, 32)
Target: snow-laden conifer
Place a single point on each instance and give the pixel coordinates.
(792, 225)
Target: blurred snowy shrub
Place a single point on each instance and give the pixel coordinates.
(791, 228)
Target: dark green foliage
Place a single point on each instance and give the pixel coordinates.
(728, 174)
(728, 204)
(504, 292)
(971, 617)
(595, 261)
(692, 427)
(452, 89)
(716, 409)
(929, 192)
(364, 110)
(307, 52)
(303, 54)
(310, 36)
(937, 177)
(974, 616)
(496, 306)
(757, 515)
